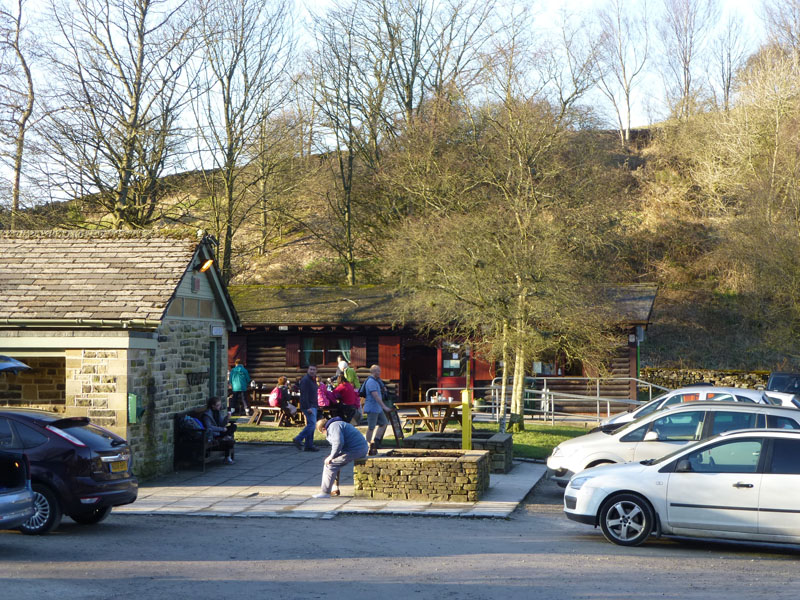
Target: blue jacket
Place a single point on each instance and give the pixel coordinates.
(240, 378)
(344, 438)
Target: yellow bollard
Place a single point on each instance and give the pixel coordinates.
(466, 419)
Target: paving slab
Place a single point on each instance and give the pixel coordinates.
(279, 482)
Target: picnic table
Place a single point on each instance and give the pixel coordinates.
(433, 416)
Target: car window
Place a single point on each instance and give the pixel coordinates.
(637, 435)
(740, 398)
(775, 422)
(736, 456)
(29, 437)
(784, 457)
(7, 439)
(686, 398)
(729, 420)
(680, 427)
(648, 408)
(721, 397)
(95, 437)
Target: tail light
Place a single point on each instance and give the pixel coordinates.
(70, 438)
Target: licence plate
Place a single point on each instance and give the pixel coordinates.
(119, 466)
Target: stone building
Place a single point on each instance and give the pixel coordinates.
(126, 328)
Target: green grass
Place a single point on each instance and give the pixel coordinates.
(537, 441)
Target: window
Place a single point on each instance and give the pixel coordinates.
(681, 427)
(323, 351)
(453, 360)
(722, 397)
(6, 435)
(774, 422)
(729, 420)
(29, 436)
(740, 456)
(784, 457)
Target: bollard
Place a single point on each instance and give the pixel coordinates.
(466, 419)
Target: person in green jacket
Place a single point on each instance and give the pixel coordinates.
(239, 380)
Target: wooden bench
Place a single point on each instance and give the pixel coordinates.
(193, 445)
(427, 422)
(259, 412)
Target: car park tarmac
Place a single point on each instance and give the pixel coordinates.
(537, 553)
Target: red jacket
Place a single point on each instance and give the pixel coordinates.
(347, 394)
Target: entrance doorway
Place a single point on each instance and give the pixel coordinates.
(418, 369)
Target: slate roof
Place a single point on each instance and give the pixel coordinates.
(110, 275)
(265, 305)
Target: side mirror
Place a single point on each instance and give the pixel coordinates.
(683, 466)
(651, 436)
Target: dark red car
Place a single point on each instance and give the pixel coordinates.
(77, 468)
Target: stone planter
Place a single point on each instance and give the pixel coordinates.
(499, 445)
(429, 475)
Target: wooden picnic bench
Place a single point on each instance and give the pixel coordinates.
(433, 416)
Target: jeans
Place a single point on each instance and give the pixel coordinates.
(308, 431)
(330, 471)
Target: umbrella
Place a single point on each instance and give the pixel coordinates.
(11, 364)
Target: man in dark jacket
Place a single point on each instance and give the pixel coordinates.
(347, 444)
(308, 406)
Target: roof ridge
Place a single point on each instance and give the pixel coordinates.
(113, 234)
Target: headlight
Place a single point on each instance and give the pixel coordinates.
(577, 482)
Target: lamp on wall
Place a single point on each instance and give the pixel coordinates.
(204, 266)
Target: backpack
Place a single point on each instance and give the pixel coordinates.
(324, 397)
(362, 391)
(275, 396)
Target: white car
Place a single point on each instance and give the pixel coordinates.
(740, 485)
(695, 393)
(662, 432)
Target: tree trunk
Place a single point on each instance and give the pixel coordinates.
(516, 420)
(504, 385)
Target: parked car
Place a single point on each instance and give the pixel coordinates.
(662, 432)
(738, 485)
(784, 382)
(77, 468)
(16, 496)
(692, 393)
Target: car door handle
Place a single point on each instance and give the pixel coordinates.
(742, 485)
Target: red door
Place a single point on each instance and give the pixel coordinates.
(389, 357)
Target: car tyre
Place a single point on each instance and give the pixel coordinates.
(626, 519)
(91, 517)
(47, 515)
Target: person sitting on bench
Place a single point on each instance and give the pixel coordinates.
(215, 420)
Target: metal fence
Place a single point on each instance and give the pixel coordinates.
(540, 402)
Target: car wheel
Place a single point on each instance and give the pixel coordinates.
(91, 517)
(626, 519)
(47, 515)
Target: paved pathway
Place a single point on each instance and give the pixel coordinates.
(278, 481)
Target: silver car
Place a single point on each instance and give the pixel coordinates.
(663, 432)
(16, 496)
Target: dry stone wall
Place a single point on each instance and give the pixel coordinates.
(676, 378)
(428, 475)
(499, 445)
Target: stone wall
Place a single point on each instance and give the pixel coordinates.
(96, 384)
(41, 387)
(159, 379)
(430, 475)
(500, 446)
(675, 378)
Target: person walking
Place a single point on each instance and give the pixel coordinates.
(375, 409)
(347, 445)
(308, 406)
(239, 380)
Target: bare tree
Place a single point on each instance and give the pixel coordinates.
(621, 57)
(783, 22)
(247, 48)
(683, 32)
(113, 132)
(17, 93)
(729, 53)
